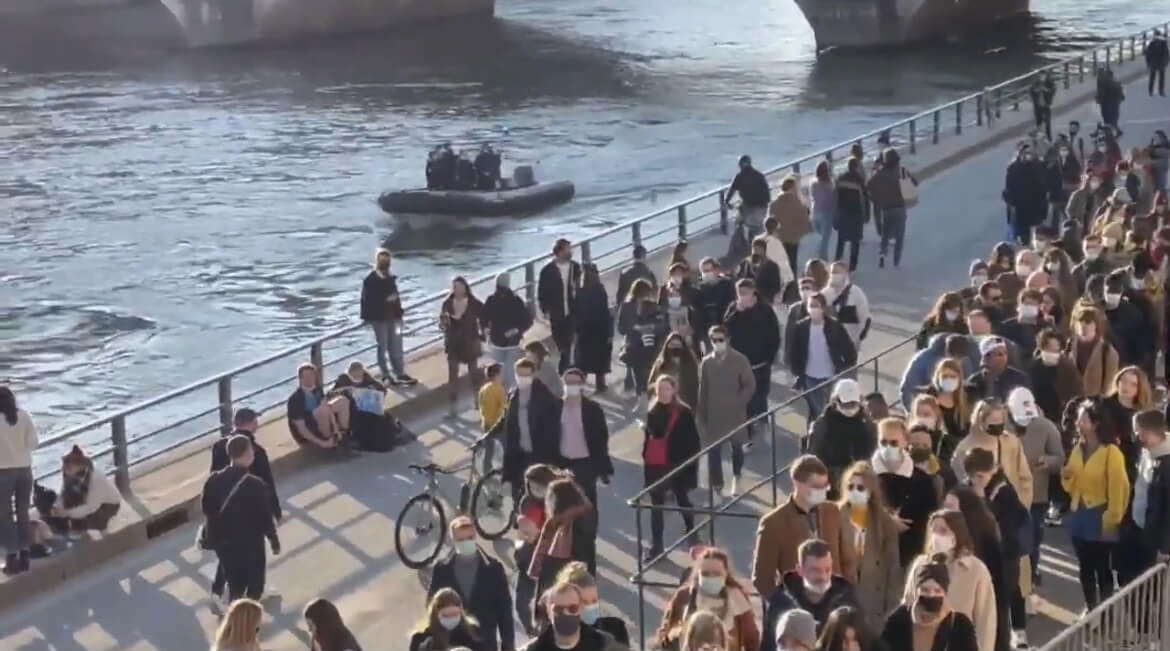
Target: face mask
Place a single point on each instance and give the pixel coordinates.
(951, 315)
(572, 390)
(1064, 152)
(712, 585)
(1092, 254)
(1108, 242)
(710, 276)
(1052, 267)
(1049, 358)
(565, 624)
(590, 614)
(719, 347)
(932, 605)
(942, 543)
(948, 384)
(838, 280)
(978, 279)
(849, 411)
(919, 454)
(1095, 184)
(1029, 311)
(1112, 300)
(816, 588)
(1023, 421)
(465, 547)
(523, 381)
(1023, 269)
(891, 455)
(817, 496)
(858, 497)
(816, 313)
(994, 429)
(449, 623)
(674, 301)
(1137, 283)
(677, 280)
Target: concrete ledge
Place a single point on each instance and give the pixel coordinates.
(166, 492)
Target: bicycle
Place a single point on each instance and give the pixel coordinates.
(425, 513)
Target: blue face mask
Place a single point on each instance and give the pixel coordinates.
(712, 585)
(465, 547)
(449, 623)
(590, 614)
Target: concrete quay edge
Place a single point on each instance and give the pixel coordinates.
(165, 494)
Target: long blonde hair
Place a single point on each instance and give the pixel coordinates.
(878, 512)
(962, 408)
(1144, 398)
(240, 628)
(444, 598)
(703, 627)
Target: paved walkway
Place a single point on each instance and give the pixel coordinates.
(338, 538)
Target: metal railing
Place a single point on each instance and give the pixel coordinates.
(716, 509)
(1135, 617)
(167, 422)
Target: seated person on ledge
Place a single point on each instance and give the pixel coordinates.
(88, 498)
(370, 425)
(312, 419)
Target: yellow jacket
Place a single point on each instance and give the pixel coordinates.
(1099, 480)
(493, 399)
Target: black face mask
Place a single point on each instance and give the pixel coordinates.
(931, 604)
(994, 429)
(919, 454)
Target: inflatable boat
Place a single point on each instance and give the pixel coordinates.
(520, 194)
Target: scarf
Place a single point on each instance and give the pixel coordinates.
(75, 488)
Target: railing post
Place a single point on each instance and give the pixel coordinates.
(1096, 61)
(530, 281)
(1016, 103)
(1133, 48)
(682, 222)
(913, 137)
(998, 103)
(317, 359)
(724, 216)
(959, 117)
(224, 388)
(1064, 73)
(640, 568)
(636, 233)
(586, 252)
(1081, 69)
(121, 447)
(980, 108)
(877, 369)
(775, 471)
(796, 168)
(937, 127)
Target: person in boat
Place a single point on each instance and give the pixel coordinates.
(487, 168)
(465, 176)
(433, 168)
(441, 166)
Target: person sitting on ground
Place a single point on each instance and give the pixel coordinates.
(88, 498)
(366, 421)
(312, 420)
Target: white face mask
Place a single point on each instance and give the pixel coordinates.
(676, 280)
(942, 543)
(858, 498)
(1112, 300)
(838, 280)
(951, 315)
(572, 390)
(720, 347)
(978, 279)
(948, 384)
(1023, 270)
(1029, 311)
(891, 455)
(1108, 242)
(816, 313)
(710, 276)
(817, 496)
(523, 381)
(1092, 254)
(1049, 358)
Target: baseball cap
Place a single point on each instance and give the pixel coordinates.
(246, 415)
(846, 390)
(990, 345)
(797, 626)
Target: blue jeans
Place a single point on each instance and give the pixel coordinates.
(715, 463)
(758, 403)
(817, 399)
(507, 357)
(823, 225)
(1039, 512)
(388, 335)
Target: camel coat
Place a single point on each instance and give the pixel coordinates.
(879, 568)
(780, 534)
(792, 215)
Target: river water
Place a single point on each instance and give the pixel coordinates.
(170, 215)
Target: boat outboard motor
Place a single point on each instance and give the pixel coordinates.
(464, 172)
(523, 176)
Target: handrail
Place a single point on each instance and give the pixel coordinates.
(988, 104)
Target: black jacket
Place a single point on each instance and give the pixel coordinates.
(591, 640)
(980, 385)
(682, 444)
(639, 270)
(1157, 53)
(1133, 336)
(259, 467)
(839, 440)
(791, 595)
(913, 497)
(425, 641)
(490, 601)
(955, 633)
(634, 322)
(380, 299)
(1157, 529)
(505, 318)
(544, 426)
(550, 290)
(1023, 334)
(752, 187)
(1025, 189)
(754, 332)
(841, 349)
(766, 274)
(852, 206)
(243, 521)
(713, 299)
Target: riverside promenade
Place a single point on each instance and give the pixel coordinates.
(142, 587)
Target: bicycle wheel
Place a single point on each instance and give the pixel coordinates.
(421, 518)
(492, 509)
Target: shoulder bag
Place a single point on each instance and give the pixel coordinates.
(202, 541)
(657, 452)
(908, 187)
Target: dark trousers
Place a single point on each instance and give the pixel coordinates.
(854, 250)
(894, 228)
(1043, 118)
(1095, 571)
(1111, 115)
(1131, 555)
(657, 499)
(244, 569)
(1158, 74)
(562, 334)
(585, 476)
(758, 403)
(1039, 512)
(792, 250)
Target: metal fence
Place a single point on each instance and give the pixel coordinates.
(765, 426)
(1135, 617)
(155, 427)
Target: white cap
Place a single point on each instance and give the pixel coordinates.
(846, 390)
(1022, 405)
(990, 344)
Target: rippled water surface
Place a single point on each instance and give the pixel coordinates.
(170, 215)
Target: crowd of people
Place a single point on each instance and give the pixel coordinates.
(913, 524)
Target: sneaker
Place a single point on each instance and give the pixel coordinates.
(405, 380)
(734, 487)
(882, 261)
(1020, 641)
(1031, 606)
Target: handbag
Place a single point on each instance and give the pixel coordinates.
(657, 452)
(908, 187)
(201, 539)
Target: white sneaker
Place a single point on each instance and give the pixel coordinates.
(1020, 640)
(1032, 604)
(734, 490)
